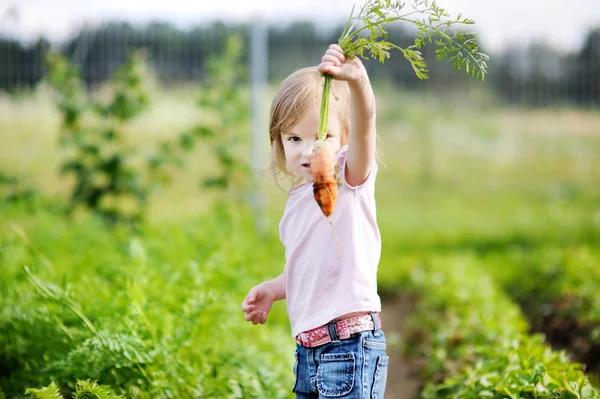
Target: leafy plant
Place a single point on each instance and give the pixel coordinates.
(90, 390)
(85, 390)
(115, 180)
(13, 189)
(148, 316)
(433, 26)
(227, 115)
(559, 294)
(475, 339)
(365, 35)
(107, 178)
(49, 392)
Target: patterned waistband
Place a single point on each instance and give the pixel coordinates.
(343, 328)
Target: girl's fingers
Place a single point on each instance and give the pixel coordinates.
(329, 68)
(336, 54)
(262, 317)
(334, 71)
(249, 308)
(259, 316)
(249, 316)
(249, 301)
(256, 316)
(252, 295)
(331, 58)
(336, 48)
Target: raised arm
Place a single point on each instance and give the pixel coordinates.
(362, 140)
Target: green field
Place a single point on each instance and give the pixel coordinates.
(490, 220)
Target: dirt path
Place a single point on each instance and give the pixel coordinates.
(401, 381)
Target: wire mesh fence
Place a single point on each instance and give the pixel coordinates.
(534, 75)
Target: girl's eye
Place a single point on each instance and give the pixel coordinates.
(294, 138)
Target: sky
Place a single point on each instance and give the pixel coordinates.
(500, 23)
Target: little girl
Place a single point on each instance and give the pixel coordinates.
(330, 290)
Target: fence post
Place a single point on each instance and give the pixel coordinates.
(258, 76)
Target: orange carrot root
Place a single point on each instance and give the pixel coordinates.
(325, 185)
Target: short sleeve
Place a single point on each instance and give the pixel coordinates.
(341, 156)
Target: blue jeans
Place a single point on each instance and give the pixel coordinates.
(353, 368)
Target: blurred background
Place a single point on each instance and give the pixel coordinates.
(542, 85)
(543, 54)
(156, 115)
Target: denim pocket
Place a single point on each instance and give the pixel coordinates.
(380, 377)
(377, 345)
(377, 342)
(335, 374)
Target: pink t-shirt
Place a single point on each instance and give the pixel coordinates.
(323, 282)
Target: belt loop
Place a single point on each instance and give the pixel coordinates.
(332, 330)
(376, 322)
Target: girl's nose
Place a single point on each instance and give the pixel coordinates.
(307, 149)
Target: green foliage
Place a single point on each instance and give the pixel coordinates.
(460, 48)
(435, 25)
(108, 180)
(49, 392)
(564, 279)
(14, 189)
(114, 179)
(90, 390)
(154, 315)
(559, 293)
(476, 341)
(84, 390)
(459, 254)
(225, 126)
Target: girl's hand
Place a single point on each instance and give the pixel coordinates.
(257, 304)
(335, 63)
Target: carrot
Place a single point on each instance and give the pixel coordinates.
(325, 184)
(322, 164)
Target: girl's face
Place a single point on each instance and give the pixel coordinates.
(298, 142)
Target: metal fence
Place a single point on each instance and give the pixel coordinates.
(532, 75)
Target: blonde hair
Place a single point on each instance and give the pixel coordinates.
(294, 97)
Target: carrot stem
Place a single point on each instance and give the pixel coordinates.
(322, 134)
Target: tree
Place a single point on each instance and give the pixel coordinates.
(586, 73)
